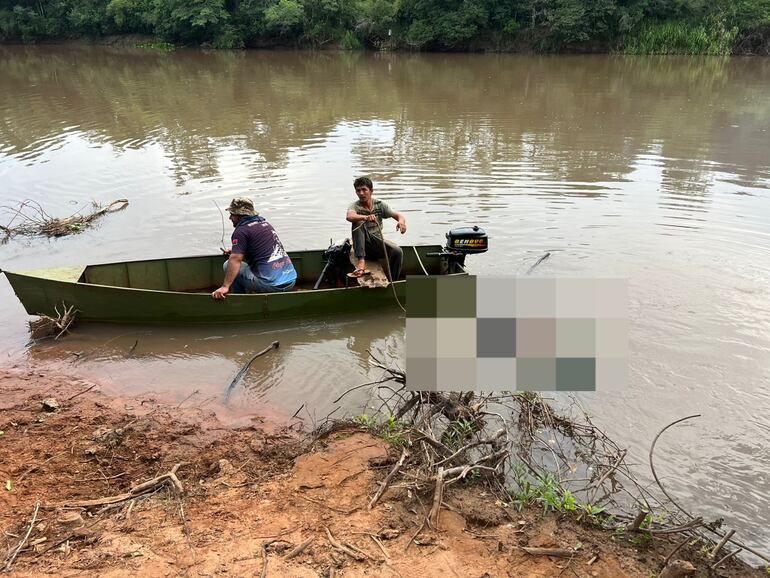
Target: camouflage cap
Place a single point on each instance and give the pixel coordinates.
(241, 206)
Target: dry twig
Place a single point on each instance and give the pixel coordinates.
(389, 478)
(30, 219)
(23, 541)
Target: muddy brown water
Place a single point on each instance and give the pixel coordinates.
(652, 168)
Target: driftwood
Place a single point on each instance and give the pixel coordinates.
(540, 260)
(30, 219)
(147, 487)
(245, 368)
(46, 326)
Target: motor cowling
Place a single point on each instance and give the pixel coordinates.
(467, 240)
(336, 263)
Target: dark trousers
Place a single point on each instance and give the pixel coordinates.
(369, 246)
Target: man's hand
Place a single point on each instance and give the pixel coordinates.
(401, 226)
(371, 218)
(227, 252)
(221, 293)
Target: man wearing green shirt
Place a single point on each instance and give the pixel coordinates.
(366, 216)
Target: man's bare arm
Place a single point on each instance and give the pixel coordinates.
(353, 217)
(401, 222)
(233, 268)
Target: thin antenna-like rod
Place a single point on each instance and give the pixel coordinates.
(221, 214)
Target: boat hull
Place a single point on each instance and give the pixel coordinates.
(149, 300)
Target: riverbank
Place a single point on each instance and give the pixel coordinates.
(242, 498)
(755, 43)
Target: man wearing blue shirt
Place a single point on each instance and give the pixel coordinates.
(258, 263)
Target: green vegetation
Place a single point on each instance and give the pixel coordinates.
(458, 433)
(546, 493)
(634, 26)
(160, 46)
(677, 37)
(391, 430)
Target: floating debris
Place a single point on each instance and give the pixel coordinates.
(30, 219)
(46, 326)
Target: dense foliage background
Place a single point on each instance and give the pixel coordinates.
(637, 26)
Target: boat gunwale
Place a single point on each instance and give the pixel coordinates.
(208, 294)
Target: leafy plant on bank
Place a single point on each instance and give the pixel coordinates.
(545, 492)
(680, 37)
(391, 430)
(350, 41)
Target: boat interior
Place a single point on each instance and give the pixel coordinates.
(204, 274)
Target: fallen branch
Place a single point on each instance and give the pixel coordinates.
(82, 392)
(46, 326)
(389, 478)
(264, 558)
(691, 525)
(555, 552)
(381, 546)
(149, 486)
(37, 467)
(342, 548)
(299, 549)
(637, 522)
(245, 368)
(23, 541)
(33, 220)
(438, 495)
(722, 543)
(725, 558)
(675, 550)
(417, 533)
(540, 260)
(652, 466)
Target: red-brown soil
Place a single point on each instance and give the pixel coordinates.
(250, 495)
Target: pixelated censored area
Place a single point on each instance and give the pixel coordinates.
(517, 334)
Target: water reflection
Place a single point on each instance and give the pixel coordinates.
(491, 123)
(319, 358)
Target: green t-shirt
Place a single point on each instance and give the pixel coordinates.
(380, 209)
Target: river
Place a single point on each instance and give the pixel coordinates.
(652, 168)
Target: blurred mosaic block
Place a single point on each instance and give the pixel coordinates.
(516, 334)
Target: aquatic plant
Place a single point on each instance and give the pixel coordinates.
(159, 46)
(681, 37)
(350, 41)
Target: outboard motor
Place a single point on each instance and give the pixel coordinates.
(460, 242)
(336, 263)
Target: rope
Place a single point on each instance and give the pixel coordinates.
(416, 254)
(387, 261)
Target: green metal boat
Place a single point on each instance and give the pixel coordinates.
(177, 291)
